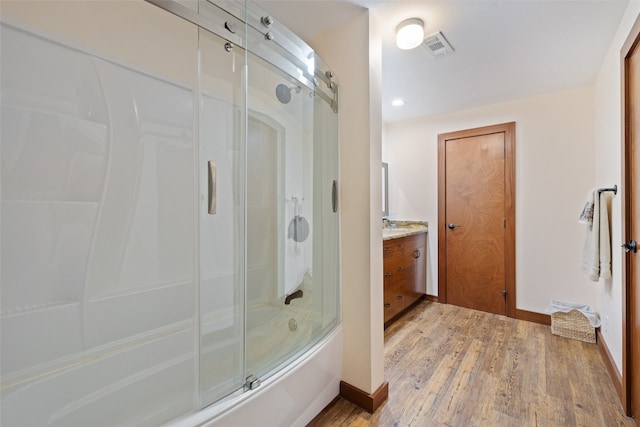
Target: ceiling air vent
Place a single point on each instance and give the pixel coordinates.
(437, 45)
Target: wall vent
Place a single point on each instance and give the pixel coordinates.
(437, 45)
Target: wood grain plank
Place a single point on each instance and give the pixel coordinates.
(452, 366)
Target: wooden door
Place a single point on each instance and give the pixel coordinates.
(631, 369)
(476, 219)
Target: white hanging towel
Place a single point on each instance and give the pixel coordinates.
(596, 256)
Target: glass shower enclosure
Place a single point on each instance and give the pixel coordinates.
(268, 177)
(169, 229)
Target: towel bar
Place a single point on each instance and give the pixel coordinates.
(614, 189)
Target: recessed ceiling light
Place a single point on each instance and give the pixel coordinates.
(399, 102)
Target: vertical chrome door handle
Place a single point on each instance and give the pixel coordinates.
(213, 202)
(334, 196)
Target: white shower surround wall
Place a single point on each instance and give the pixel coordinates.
(97, 315)
(72, 332)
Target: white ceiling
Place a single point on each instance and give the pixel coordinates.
(504, 49)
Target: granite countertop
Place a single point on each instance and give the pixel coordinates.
(397, 229)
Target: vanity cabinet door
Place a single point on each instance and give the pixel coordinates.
(394, 279)
(394, 300)
(404, 273)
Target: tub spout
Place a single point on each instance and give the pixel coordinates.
(293, 295)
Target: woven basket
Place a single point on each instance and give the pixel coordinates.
(573, 325)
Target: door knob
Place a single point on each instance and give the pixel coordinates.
(452, 226)
(631, 246)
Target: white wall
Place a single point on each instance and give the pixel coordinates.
(608, 151)
(159, 47)
(555, 168)
(357, 66)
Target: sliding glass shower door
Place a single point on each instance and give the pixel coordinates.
(279, 217)
(268, 216)
(222, 217)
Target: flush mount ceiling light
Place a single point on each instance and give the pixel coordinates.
(410, 33)
(398, 102)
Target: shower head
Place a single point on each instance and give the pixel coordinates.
(283, 92)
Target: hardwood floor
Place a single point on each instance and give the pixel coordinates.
(451, 366)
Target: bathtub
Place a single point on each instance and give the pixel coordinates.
(291, 397)
(260, 314)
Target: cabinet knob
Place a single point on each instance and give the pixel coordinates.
(417, 253)
(387, 274)
(387, 305)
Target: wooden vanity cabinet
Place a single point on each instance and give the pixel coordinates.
(405, 269)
